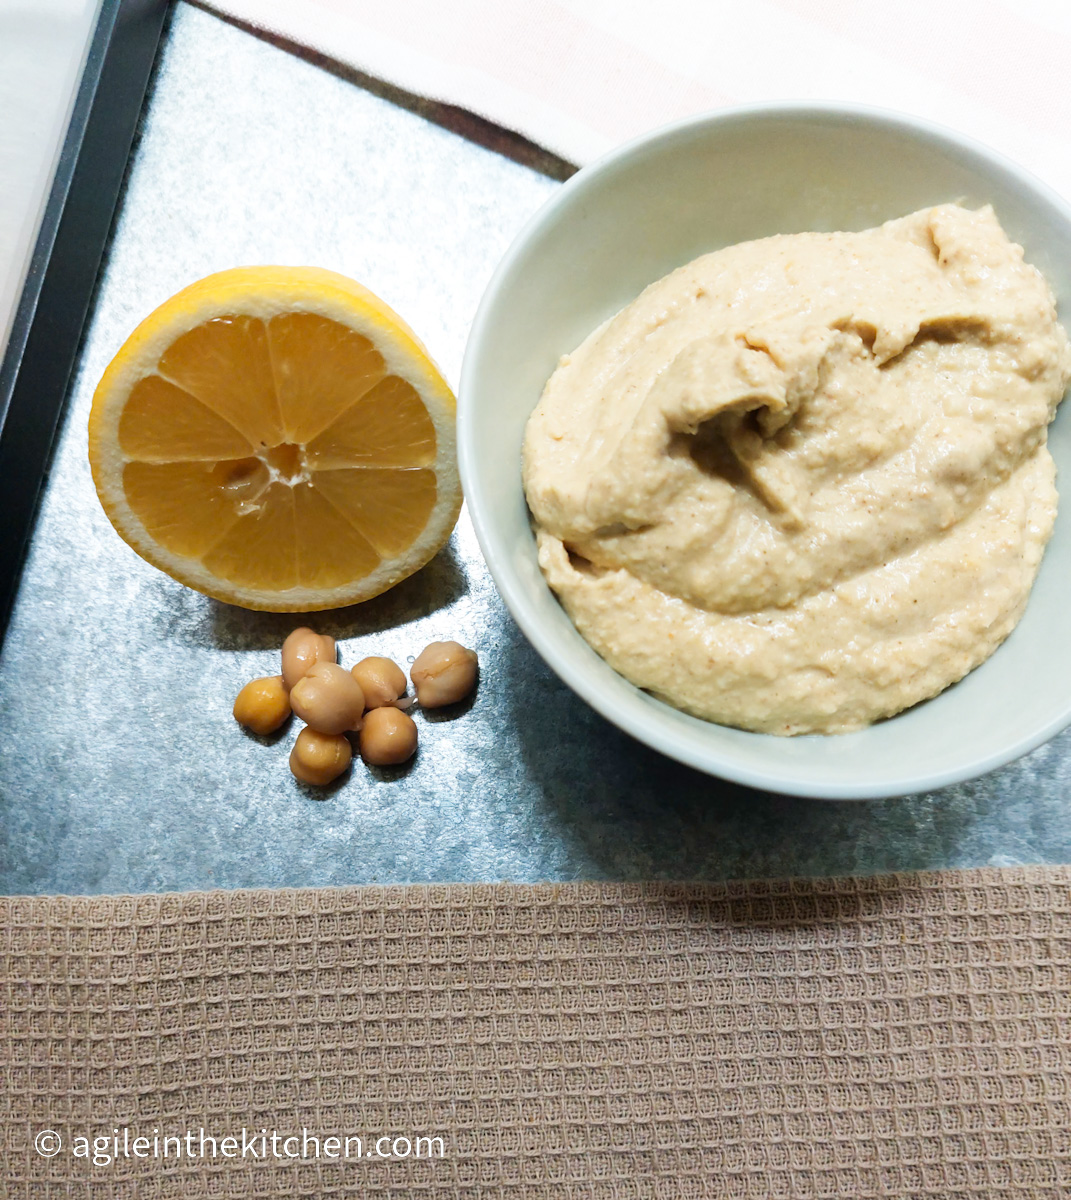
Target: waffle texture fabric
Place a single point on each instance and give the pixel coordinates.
(904, 1036)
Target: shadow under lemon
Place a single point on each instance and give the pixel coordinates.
(197, 620)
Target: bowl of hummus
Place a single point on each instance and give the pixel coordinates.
(760, 433)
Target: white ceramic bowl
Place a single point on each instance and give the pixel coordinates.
(629, 219)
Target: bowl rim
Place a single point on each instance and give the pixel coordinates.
(515, 596)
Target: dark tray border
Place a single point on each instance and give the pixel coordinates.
(56, 297)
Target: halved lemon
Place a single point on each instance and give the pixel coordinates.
(278, 438)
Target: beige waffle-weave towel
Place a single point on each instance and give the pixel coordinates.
(905, 1036)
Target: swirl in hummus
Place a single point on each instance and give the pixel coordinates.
(802, 483)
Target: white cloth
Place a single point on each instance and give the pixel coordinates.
(580, 76)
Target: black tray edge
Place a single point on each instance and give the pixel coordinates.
(47, 329)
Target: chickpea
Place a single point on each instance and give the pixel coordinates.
(262, 705)
(443, 673)
(302, 650)
(320, 757)
(381, 680)
(328, 699)
(388, 736)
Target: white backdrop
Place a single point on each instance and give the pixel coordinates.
(579, 76)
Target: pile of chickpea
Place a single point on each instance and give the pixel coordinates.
(367, 700)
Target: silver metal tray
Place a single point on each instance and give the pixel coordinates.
(121, 768)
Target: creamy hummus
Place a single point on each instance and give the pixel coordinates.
(802, 483)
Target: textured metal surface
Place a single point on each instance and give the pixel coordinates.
(120, 766)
